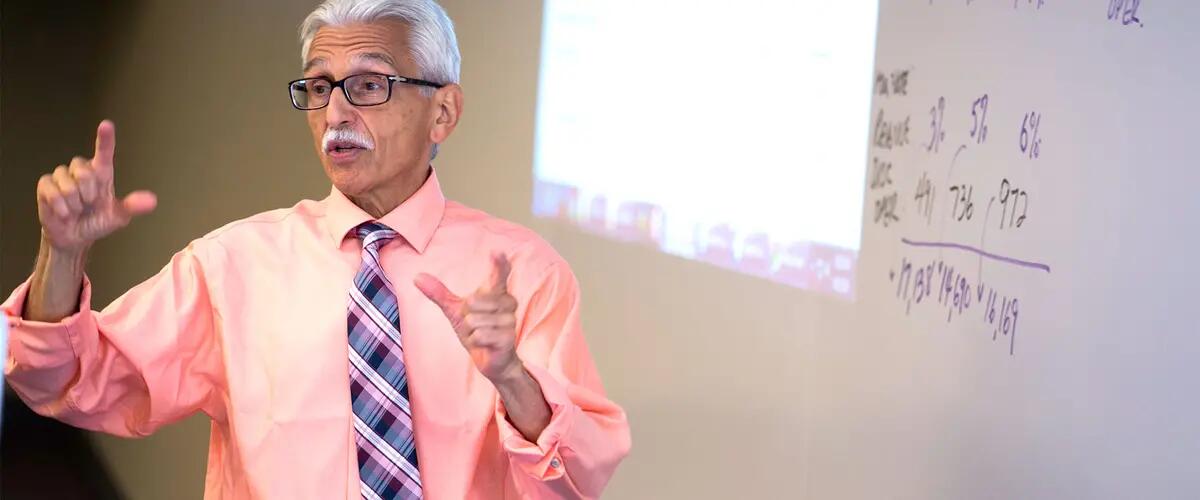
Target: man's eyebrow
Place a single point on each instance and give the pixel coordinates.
(376, 56)
(369, 56)
(320, 61)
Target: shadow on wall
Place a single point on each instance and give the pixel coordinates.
(46, 460)
(51, 66)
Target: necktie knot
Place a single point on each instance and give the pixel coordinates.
(374, 235)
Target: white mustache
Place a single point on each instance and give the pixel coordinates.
(346, 135)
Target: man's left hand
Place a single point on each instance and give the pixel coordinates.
(485, 322)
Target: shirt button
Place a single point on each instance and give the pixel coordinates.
(554, 463)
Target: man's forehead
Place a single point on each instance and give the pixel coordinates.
(320, 61)
(378, 41)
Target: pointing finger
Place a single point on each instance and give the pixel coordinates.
(498, 283)
(106, 144)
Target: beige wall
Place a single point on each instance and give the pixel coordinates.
(710, 376)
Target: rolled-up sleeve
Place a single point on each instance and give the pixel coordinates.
(148, 359)
(588, 435)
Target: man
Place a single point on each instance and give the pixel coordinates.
(326, 341)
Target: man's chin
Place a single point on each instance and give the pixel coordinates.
(346, 178)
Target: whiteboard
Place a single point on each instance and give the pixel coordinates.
(1026, 324)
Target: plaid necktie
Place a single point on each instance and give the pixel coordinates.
(383, 429)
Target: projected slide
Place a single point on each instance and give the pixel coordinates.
(733, 133)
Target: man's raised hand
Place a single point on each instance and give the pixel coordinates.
(77, 204)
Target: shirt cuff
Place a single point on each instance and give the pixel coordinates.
(38, 344)
(540, 460)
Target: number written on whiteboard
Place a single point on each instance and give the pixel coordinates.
(1013, 200)
(937, 284)
(1124, 12)
(1030, 142)
(924, 197)
(937, 134)
(964, 204)
(979, 127)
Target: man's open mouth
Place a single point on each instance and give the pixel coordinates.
(342, 147)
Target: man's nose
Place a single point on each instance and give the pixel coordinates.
(339, 112)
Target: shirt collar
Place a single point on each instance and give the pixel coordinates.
(415, 219)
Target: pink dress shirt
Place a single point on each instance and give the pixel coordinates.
(248, 325)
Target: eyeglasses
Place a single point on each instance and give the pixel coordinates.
(366, 89)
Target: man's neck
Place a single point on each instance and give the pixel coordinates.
(382, 201)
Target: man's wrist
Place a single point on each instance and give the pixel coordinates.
(511, 377)
(57, 280)
(62, 254)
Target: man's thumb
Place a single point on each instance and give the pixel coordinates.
(139, 203)
(436, 291)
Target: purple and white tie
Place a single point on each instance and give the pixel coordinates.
(383, 428)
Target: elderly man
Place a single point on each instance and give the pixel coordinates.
(326, 341)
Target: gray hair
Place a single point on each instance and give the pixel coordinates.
(432, 40)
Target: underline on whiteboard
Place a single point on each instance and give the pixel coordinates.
(979, 252)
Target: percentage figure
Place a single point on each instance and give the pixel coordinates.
(979, 119)
(1031, 144)
(938, 134)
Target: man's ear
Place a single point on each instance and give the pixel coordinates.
(447, 108)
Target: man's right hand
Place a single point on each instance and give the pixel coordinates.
(77, 204)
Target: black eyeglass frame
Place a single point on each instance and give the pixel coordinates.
(392, 80)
